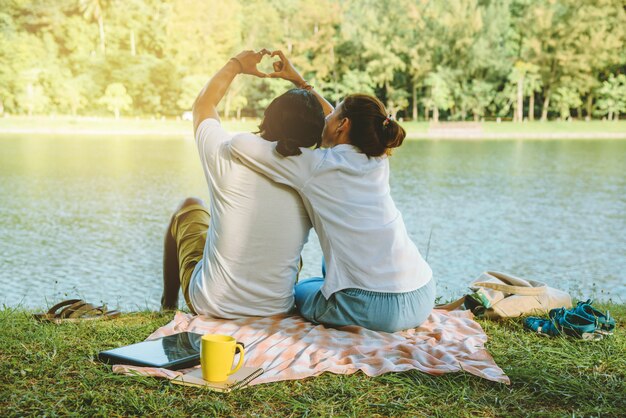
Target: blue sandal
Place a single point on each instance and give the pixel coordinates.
(604, 322)
(566, 322)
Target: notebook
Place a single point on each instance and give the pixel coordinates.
(235, 381)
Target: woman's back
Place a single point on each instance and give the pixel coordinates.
(347, 196)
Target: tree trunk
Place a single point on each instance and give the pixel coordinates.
(515, 111)
(435, 114)
(426, 113)
(415, 101)
(287, 35)
(544, 110)
(476, 117)
(133, 51)
(531, 106)
(101, 29)
(520, 99)
(610, 117)
(579, 113)
(117, 112)
(239, 113)
(589, 105)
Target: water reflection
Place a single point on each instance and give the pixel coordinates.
(85, 216)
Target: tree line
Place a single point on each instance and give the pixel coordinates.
(427, 60)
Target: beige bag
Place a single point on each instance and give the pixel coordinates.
(499, 295)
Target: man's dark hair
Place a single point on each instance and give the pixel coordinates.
(294, 119)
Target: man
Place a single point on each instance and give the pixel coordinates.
(243, 258)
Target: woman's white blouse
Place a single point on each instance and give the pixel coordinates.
(347, 196)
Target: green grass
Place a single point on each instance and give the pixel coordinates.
(50, 370)
(556, 126)
(594, 126)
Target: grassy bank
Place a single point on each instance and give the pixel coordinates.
(415, 130)
(50, 370)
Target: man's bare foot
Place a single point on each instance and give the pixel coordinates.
(169, 306)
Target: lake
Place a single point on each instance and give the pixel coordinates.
(85, 216)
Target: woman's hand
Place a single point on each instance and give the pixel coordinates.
(248, 61)
(284, 69)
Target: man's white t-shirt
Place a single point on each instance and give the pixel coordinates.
(255, 237)
(347, 195)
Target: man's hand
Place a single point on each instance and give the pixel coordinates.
(284, 69)
(209, 97)
(248, 61)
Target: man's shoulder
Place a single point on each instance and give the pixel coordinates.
(248, 135)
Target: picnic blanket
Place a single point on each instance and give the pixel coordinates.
(289, 347)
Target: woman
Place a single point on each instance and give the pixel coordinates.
(375, 276)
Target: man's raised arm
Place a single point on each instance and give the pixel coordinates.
(205, 106)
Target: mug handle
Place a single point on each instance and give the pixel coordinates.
(240, 363)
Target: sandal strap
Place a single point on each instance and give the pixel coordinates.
(52, 312)
(86, 310)
(69, 310)
(603, 320)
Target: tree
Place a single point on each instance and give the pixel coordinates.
(455, 58)
(532, 85)
(372, 24)
(116, 99)
(33, 99)
(70, 93)
(566, 98)
(190, 87)
(612, 97)
(440, 94)
(94, 10)
(481, 94)
(566, 40)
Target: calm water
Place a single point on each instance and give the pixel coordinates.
(85, 216)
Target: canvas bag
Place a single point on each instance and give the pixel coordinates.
(500, 295)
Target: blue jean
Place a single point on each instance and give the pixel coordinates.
(389, 312)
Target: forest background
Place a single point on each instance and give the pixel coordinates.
(427, 60)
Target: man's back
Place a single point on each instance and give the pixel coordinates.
(256, 234)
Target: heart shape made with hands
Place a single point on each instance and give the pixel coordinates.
(271, 67)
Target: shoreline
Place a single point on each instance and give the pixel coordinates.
(416, 130)
(442, 134)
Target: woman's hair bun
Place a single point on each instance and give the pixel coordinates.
(394, 134)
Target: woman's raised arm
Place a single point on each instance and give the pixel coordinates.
(284, 69)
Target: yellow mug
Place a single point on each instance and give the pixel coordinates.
(217, 353)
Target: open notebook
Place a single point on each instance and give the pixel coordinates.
(235, 381)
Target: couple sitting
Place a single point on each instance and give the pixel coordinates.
(310, 165)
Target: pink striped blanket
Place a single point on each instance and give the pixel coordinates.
(289, 347)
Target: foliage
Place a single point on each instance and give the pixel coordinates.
(612, 97)
(459, 59)
(116, 99)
